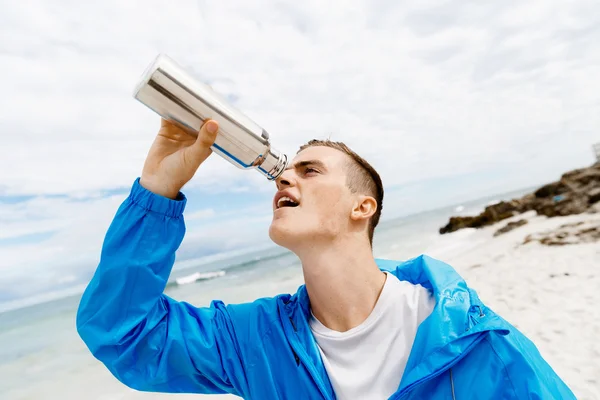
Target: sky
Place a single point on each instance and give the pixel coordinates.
(449, 100)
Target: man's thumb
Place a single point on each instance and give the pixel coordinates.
(207, 134)
(200, 150)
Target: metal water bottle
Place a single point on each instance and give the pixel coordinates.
(175, 95)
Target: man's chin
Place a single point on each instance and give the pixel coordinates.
(282, 235)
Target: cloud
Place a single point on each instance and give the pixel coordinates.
(427, 92)
(405, 82)
(200, 214)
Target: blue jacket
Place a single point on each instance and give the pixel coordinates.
(265, 349)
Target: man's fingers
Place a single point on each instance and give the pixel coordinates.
(175, 130)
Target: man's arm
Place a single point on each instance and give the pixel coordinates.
(146, 339)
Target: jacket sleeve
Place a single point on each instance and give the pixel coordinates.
(147, 340)
(530, 376)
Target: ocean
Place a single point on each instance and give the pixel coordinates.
(42, 357)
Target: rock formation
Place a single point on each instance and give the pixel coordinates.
(578, 232)
(510, 226)
(576, 192)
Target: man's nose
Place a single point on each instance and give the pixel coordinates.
(286, 179)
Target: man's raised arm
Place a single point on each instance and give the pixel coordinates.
(149, 341)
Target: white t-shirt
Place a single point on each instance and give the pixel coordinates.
(367, 362)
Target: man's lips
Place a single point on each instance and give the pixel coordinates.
(284, 198)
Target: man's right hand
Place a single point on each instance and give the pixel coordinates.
(175, 157)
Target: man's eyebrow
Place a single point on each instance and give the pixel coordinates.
(306, 163)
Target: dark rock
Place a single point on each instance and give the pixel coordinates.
(589, 234)
(554, 275)
(548, 241)
(584, 232)
(527, 202)
(594, 195)
(584, 177)
(575, 193)
(491, 214)
(551, 189)
(510, 226)
(572, 203)
(571, 225)
(457, 223)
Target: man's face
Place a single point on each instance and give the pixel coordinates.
(321, 203)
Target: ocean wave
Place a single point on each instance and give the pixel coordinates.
(198, 276)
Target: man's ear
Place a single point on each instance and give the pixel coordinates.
(364, 208)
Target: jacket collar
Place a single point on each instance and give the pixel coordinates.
(458, 320)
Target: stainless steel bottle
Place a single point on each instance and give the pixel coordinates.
(175, 95)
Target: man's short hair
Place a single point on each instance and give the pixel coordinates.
(361, 177)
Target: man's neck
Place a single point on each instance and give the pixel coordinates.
(343, 283)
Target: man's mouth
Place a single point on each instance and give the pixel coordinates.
(286, 202)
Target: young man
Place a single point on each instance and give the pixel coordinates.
(359, 328)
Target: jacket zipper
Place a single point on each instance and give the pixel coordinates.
(407, 390)
(311, 370)
(292, 347)
(452, 385)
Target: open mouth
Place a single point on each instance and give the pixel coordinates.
(286, 202)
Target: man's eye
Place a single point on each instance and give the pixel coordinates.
(309, 170)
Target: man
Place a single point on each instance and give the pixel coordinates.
(359, 328)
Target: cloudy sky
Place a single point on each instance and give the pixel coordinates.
(450, 100)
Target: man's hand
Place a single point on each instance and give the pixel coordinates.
(175, 157)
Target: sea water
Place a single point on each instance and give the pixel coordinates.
(42, 357)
